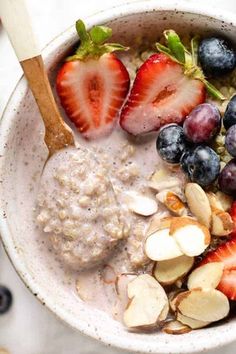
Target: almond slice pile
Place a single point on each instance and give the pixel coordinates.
(148, 303)
(169, 271)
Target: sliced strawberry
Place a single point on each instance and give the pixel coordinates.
(93, 83)
(225, 253)
(233, 215)
(228, 284)
(161, 94)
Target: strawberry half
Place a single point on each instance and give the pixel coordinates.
(161, 94)
(167, 87)
(225, 253)
(93, 83)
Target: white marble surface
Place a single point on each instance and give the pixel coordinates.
(29, 328)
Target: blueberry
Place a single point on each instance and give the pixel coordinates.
(5, 299)
(217, 56)
(201, 165)
(227, 178)
(230, 141)
(171, 143)
(229, 118)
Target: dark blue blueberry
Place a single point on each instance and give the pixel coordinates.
(171, 143)
(229, 118)
(201, 165)
(217, 56)
(230, 140)
(227, 178)
(5, 299)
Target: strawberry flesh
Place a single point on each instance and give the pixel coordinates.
(161, 94)
(92, 92)
(225, 253)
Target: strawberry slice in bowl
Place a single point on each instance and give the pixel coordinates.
(93, 83)
(225, 253)
(167, 87)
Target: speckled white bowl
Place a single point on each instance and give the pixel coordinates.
(22, 154)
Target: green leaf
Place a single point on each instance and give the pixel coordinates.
(175, 45)
(212, 90)
(194, 49)
(92, 42)
(161, 48)
(81, 30)
(99, 34)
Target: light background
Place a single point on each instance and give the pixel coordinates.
(29, 328)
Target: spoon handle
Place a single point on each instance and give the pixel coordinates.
(16, 20)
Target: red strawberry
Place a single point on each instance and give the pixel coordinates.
(161, 94)
(93, 84)
(225, 253)
(233, 215)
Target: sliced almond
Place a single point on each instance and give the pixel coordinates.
(191, 236)
(172, 296)
(198, 203)
(159, 246)
(206, 276)
(207, 305)
(225, 200)
(176, 327)
(222, 223)
(121, 283)
(148, 300)
(214, 201)
(169, 271)
(162, 180)
(172, 202)
(139, 203)
(158, 222)
(194, 324)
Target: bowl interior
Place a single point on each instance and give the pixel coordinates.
(23, 154)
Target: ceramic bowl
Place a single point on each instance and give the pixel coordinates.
(22, 156)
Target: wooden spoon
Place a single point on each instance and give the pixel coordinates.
(16, 20)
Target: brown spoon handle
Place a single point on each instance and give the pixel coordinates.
(57, 134)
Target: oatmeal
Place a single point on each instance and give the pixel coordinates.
(79, 209)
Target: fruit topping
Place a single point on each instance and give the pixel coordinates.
(148, 303)
(168, 272)
(229, 117)
(93, 83)
(202, 124)
(201, 165)
(230, 140)
(171, 143)
(5, 299)
(217, 56)
(227, 178)
(225, 253)
(206, 276)
(198, 203)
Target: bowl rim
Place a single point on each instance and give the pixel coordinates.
(5, 125)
